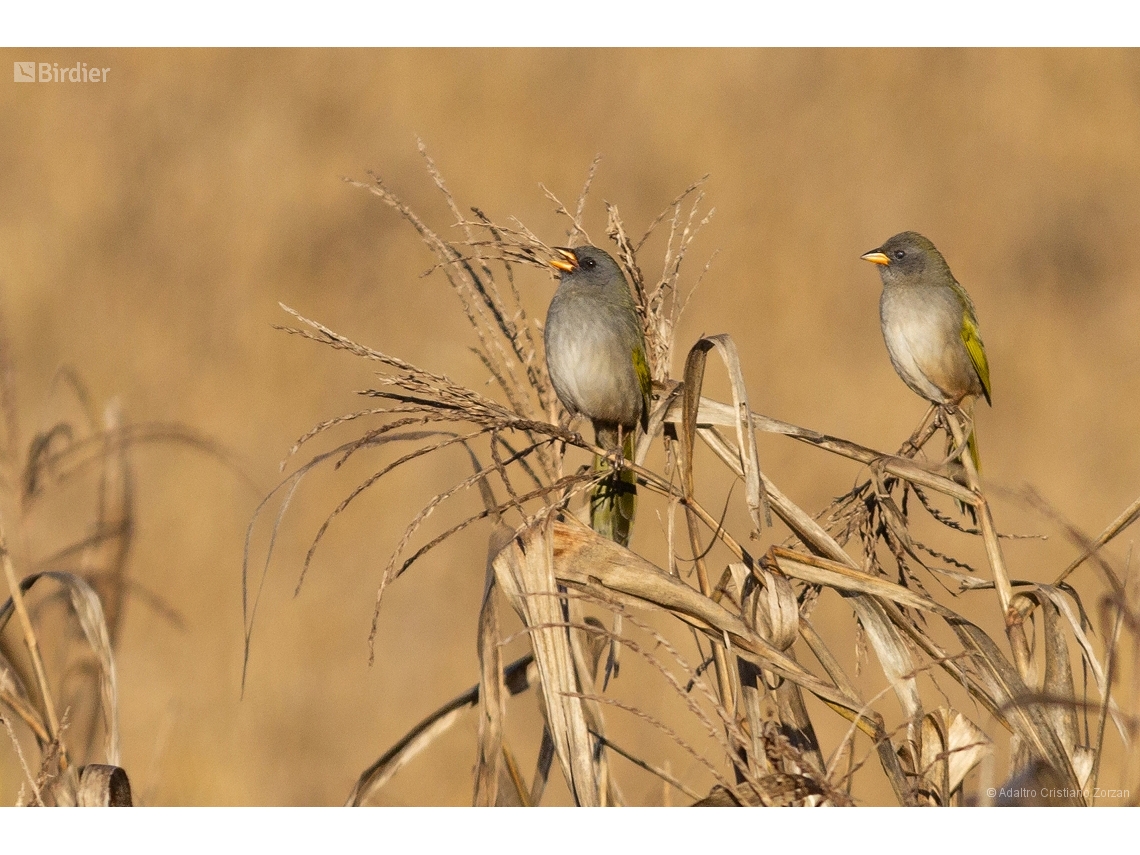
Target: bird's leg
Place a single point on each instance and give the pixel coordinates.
(922, 433)
(966, 417)
(942, 422)
(954, 410)
(619, 459)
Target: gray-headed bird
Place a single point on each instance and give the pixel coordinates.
(595, 352)
(930, 326)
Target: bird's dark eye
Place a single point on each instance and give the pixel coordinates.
(900, 254)
(589, 263)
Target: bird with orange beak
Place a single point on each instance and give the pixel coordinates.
(930, 326)
(595, 353)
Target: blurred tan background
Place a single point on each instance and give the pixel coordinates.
(150, 225)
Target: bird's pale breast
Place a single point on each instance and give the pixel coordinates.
(590, 358)
(923, 331)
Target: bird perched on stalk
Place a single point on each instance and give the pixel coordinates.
(930, 326)
(595, 351)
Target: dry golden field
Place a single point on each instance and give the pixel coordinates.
(150, 226)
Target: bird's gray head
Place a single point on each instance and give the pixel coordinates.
(587, 265)
(905, 257)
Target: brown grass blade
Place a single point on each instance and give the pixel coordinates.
(690, 404)
(648, 767)
(1014, 630)
(810, 532)
(542, 766)
(1056, 598)
(933, 768)
(894, 656)
(773, 608)
(492, 690)
(745, 435)
(517, 677)
(684, 692)
(712, 412)
(832, 574)
(89, 613)
(1000, 684)
(76, 458)
(586, 561)
(1128, 516)
(821, 652)
(952, 746)
(525, 572)
(105, 563)
(14, 696)
(1005, 689)
(586, 647)
(16, 602)
(1058, 681)
(796, 725)
(966, 744)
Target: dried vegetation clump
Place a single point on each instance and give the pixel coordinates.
(67, 520)
(753, 667)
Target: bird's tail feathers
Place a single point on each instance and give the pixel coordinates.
(614, 499)
(972, 447)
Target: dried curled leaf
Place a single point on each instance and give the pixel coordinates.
(103, 786)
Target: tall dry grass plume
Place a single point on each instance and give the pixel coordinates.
(725, 666)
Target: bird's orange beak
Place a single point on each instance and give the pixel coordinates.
(876, 256)
(568, 261)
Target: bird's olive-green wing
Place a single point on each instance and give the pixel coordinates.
(644, 380)
(972, 338)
